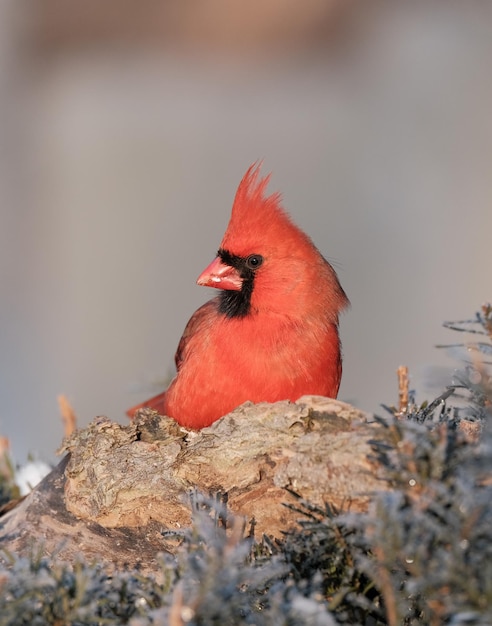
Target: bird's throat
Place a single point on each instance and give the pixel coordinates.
(236, 304)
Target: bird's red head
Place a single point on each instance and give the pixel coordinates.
(269, 262)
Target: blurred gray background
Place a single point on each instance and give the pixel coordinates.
(125, 128)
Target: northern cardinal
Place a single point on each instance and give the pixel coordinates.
(272, 331)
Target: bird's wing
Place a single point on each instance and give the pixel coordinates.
(197, 320)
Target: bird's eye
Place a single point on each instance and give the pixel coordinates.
(254, 261)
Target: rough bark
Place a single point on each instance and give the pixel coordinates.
(119, 487)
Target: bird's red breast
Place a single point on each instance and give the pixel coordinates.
(272, 332)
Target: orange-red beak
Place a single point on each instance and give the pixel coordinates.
(220, 276)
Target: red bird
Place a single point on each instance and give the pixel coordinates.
(272, 332)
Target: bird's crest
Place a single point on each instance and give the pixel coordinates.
(255, 215)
